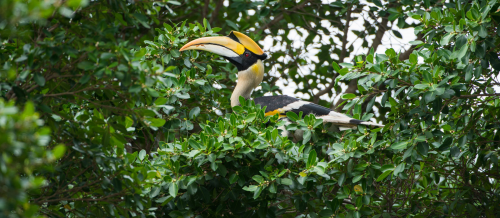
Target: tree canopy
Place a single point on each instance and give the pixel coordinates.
(101, 115)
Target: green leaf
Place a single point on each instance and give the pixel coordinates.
(335, 66)
(232, 24)
(399, 168)
(370, 104)
(446, 144)
(39, 79)
(292, 116)
(357, 178)
(156, 122)
(250, 188)
(455, 151)
(85, 65)
(461, 141)
(482, 31)
(29, 109)
(422, 86)
(183, 95)
(273, 189)
(59, 151)
(356, 214)
(233, 178)
(427, 77)
(170, 68)
(348, 96)
(175, 53)
(429, 96)
(258, 178)
(205, 23)
(390, 52)
(250, 117)
(417, 42)
(311, 160)
(142, 19)
(257, 192)
(187, 62)
(65, 11)
(384, 175)
(135, 88)
(399, 145)
(387, 167)
(347, 65)
(423, 148)
(140, 53)
(393, 17)
(413, 58)
(446, 39)
(21, 58)
(209, 69)
(307, 136)
(397, 33)
(194, 112)
(463, 51)
(164, 199)
(160, 101)
(85, 78)
(194, 144)
(286, 181)
(341, 179)
(173, 189)
(142, 154)
(153, 93)
(344, 71)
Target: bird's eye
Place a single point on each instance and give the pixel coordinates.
(247, 55)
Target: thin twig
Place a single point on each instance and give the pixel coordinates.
(341, 58)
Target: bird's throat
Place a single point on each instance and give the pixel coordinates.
(247, 80)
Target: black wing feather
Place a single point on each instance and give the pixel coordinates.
(312, 108)
(275, 102)
(280, 101)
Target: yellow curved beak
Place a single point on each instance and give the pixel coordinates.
(228, 46)
(220, 45)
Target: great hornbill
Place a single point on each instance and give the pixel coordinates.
(247, 56)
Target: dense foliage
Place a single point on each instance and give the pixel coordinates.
(101, 115)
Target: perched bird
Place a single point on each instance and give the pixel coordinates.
(248, 57)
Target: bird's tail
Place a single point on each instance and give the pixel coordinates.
(345, 123)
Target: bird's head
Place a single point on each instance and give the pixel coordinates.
(237, 47)
(241, 51)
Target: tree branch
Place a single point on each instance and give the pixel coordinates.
(204, 12)
(74, 92)
(280, 17)
(341, 58)
(478, 95)
(215, 13)
(353, 84)
(382, 28)
(405, 55)
(344, 37)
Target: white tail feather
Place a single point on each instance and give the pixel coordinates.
(345, 122)
(372, 124)
(342, 128)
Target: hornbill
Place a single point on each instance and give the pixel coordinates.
(248, 57)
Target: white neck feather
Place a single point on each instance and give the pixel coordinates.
(248, 80)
